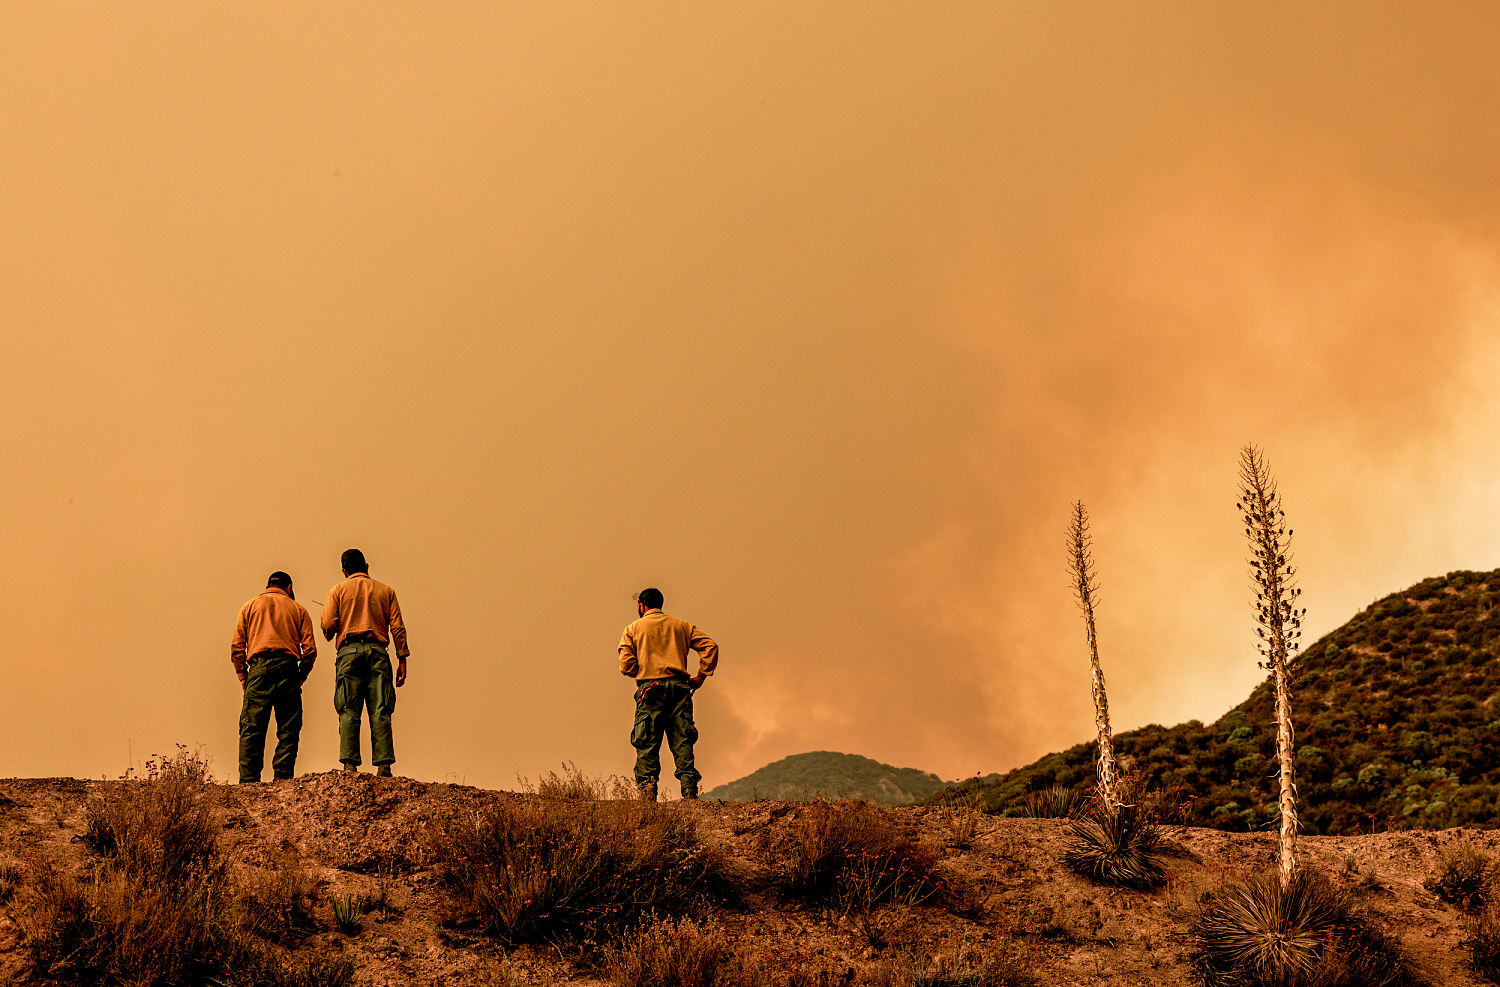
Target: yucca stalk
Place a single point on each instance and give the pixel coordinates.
(1085, 587)
(1279, 622)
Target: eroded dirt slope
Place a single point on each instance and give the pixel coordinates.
(359, 835)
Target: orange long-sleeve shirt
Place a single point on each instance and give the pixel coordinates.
(656, 647)
(273, 621)
(361, 605)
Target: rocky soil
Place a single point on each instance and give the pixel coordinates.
(348, 831)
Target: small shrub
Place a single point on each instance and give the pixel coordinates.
(1463, 877)
(1482, 940)
(160, 827)
(348, 910)
(853, 855)
(1122, 846)
(537, 870)
(275, 903)
(1052, 802)
(679, 954)
(1257, 934)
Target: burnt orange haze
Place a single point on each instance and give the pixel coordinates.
(817, 316)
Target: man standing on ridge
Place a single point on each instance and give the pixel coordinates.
(653, 651)
(272, 651)
(364, 615)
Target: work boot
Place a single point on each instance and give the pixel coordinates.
(351, 769)
(383, 771)
(646, 790)
(690, 794)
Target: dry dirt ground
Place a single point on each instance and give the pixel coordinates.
(1019, 894)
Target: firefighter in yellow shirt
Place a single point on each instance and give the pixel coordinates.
(653, 651)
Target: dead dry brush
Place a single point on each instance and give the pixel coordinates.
(852, 855)
(157, 906)
(534, 870)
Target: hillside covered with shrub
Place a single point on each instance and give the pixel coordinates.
(826, 774)
(1398, 726)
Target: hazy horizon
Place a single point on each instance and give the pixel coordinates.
(818, 318)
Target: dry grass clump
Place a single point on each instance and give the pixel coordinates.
(275, 903)
(680, 954)
(1482, 940)
(1052, 802)
(1463, 877)
(159, 908)
(853, 855)
(1305, 933)
(571, 784)
(541, 870)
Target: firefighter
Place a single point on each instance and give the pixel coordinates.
(366, 619)
(272, 651)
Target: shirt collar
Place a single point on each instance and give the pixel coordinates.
(359, 575)
(274, 589)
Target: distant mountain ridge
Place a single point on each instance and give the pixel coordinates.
(1397, 717)
(828, 774)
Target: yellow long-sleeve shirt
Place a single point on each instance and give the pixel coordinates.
(656, 647)
(273, 621)
(361, 605)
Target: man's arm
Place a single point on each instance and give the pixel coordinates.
(239, 641)
(308, 647)
(708, 655)
(330, 619)
(398, 638)
(630, 665)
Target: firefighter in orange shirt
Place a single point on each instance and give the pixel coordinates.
(272, 651)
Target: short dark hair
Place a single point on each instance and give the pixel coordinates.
(650, 598)
(353, 560)
(280, 580)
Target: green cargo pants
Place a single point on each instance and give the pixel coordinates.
(363, 678)
(665, 708)
(272, 684)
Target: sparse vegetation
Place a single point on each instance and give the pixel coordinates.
(1483, 943)
(853, 855)
(1463, 877)
(1305, 932)
(680, 954)
(571, 784)
(159, 908)
(348, 913)
(275, 902)
(1053, 802)
(533, 870)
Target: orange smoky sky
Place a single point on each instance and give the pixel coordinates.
(817, 316)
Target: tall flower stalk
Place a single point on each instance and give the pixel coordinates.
(1085, 587)
(1278, 620)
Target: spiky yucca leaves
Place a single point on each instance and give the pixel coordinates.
(1119, 845)
(1301, 933)
(1085, 586)
(1279, 620)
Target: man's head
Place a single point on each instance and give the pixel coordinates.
(280, 580)
(649, 598)
(353, 560)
